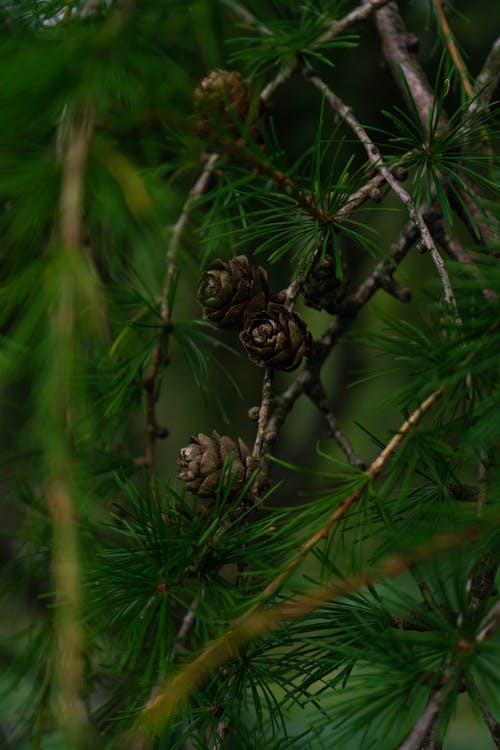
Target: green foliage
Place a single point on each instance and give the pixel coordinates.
(370, 543)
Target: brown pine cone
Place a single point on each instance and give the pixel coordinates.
(229, 291)
(276, 337)
(221, 100)
(201, 463)
(322, 289)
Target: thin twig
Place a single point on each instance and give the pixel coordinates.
(317, 395)
(154, 431)
(246, 17)
(282, 77)
(265, 411)
(375, 158)
(361, 13)
(195, 194)
(373, 471)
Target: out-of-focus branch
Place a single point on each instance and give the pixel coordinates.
(487, 80)
(397, 47)
(449, 41)
(246, 17)
(75, 132)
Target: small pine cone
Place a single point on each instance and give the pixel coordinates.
(202, 461)
(276, 337)
(322, 289)
(230, 291)
(221, 98)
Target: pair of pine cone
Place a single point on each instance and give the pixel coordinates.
(234, 294)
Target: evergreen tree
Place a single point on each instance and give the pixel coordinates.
(272, 226)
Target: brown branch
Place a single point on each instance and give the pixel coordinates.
(356, 199)
(449, 41)
(265, 411)
(373, 471)
(70, 708)
(404, 65)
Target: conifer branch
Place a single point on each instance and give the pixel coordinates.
(375, 158)
(348, 311)
(255, 623)
(334, 28)
(397, 47)
(69, 705)
(372, 472)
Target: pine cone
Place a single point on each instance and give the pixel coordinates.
(231, 290)
(201, 463)
(276, 337)
(322, 289)
(221, 99)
